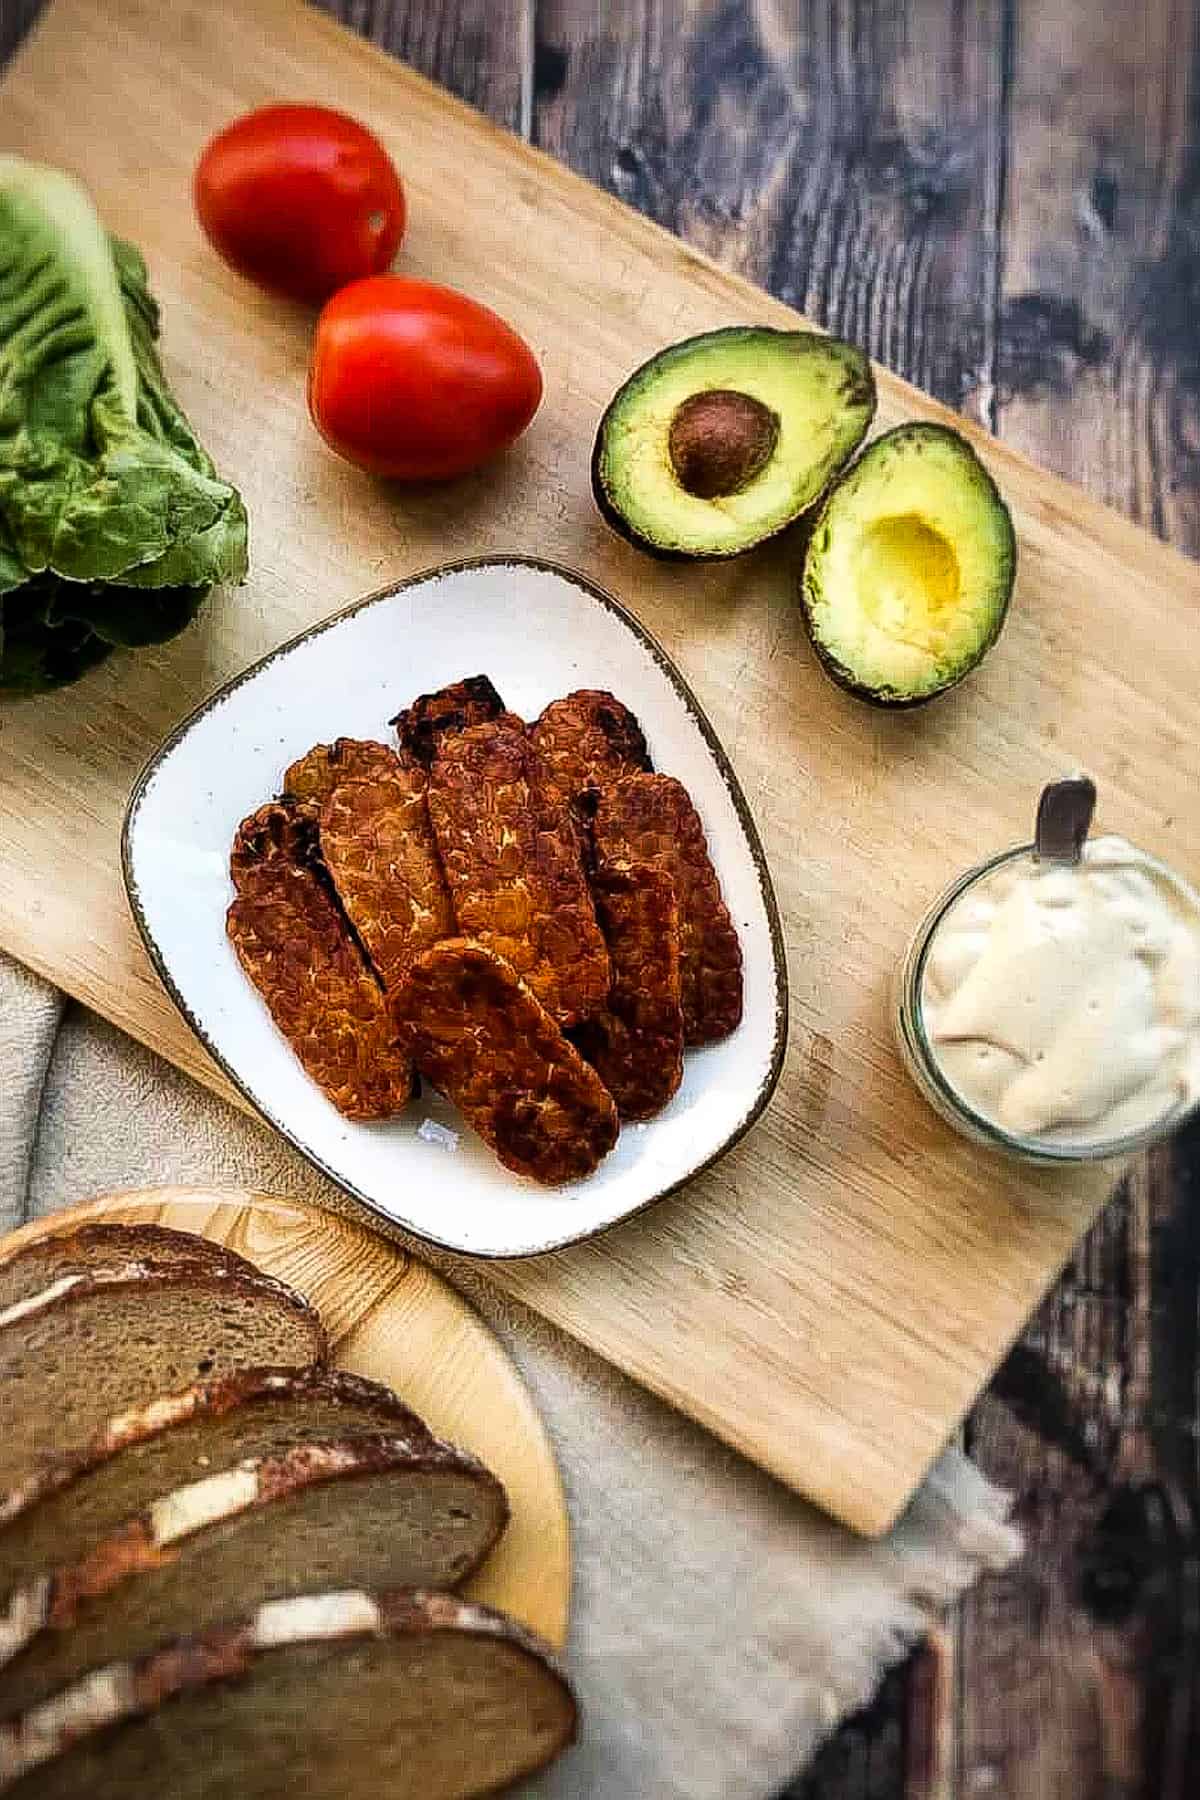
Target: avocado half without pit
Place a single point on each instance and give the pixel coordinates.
(723, 440)
(909, 568)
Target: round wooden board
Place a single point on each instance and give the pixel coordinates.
(390, 1317)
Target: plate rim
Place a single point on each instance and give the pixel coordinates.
(725, 769)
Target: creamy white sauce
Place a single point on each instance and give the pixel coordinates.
(1064, 1003)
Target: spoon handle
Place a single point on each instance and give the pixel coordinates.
(1064, 817)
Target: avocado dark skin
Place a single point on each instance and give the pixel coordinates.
(843, 678)
(616, 522)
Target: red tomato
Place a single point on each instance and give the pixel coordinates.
(301, 199)
(416, 381)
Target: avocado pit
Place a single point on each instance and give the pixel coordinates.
(719, 440)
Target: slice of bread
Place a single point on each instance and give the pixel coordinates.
(90, 1345)
(335, 1696)
(376, 1510)
(60, 1510)
(102, 1245)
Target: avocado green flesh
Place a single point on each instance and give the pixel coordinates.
(910, 567)
(820, 389)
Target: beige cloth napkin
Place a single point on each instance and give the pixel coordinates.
(721, 1626)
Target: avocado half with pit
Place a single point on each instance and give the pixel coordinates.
(909, 568)
(723, 440)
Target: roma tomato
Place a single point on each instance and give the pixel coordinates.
(416, 381)
(301, 199)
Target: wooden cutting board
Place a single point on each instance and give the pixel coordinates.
(390, 1317)
(832, 1295)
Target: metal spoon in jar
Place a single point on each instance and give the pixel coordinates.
(1064, 818)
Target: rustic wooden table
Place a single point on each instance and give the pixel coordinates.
(1001, 198)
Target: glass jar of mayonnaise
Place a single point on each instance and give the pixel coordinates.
(1052, 1009)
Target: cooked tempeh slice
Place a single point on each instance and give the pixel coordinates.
(105, 1245)
(651, 819)
(377, 844)
(280, 829)
(91, 1345)
(588, 740)
(74, 1499)
(334, 1696)
(481, 1036)
(512, 859)
(379, 1510)
(635, 1044)
(293, 942)
(313, 777)
(431, 717)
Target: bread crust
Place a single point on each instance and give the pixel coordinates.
(126, 1691)
(149, 1539)
(101, 1243)
(73, 1290)
(207, 1400)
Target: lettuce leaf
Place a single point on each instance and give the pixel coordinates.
(113, 521)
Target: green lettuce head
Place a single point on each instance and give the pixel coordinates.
(113, 522)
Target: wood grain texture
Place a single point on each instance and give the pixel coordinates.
(845, 157)
(833, 1294)
(1081, 198)
(1099, 373)
(852, 161)
(1080, 1668)
(390, 1317)
(481, 50)
(1084, 1661)
(1088, 360)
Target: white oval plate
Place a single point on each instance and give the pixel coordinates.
(537, 631)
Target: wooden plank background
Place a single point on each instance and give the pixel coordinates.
(1001, 198)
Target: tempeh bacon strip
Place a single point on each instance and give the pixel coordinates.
(651, 819)
(377, 844)
(432, 717)
(511, 855)
(292, 942)
(479, 1035)
(588, 740)
(635, 1044)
